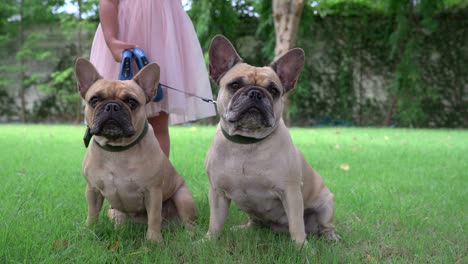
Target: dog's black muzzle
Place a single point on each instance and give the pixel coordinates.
(252, 101)
(112, 120)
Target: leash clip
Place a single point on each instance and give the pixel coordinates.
(210, 101)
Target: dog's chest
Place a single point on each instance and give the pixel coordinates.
(123, 185)
(253, 180)
(260, 202)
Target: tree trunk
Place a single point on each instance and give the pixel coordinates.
(78, 116)
(286, 17)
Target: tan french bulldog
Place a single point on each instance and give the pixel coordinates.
(252, 159)
(125, 164)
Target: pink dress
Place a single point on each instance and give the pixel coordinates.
(166, 34)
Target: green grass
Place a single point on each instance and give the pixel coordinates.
(402, 200)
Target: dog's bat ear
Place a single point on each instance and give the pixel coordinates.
(86, 74)
(288, 67)
(223, 57)
(148, 79)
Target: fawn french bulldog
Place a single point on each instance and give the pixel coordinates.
(252, 159)
(125, 164)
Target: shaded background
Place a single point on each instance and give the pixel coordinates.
(368, 62)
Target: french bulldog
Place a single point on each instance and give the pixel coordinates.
(252, 159)
(124, 163)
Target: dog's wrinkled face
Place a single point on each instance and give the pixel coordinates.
(115, 110)
(250, 98)
(252, 95)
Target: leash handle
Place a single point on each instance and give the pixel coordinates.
(126, 71)
(142, 60)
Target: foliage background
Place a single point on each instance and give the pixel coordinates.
(368, 63)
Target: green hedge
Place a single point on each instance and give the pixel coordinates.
(356, 64)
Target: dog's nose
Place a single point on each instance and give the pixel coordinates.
(114, 107)
(255, 94)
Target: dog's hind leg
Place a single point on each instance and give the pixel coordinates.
(311, 222)
(169, 213)
(249, 224)
(184, 205)
(325, 214)
(117, 217)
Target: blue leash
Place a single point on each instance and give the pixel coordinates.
(126, 72)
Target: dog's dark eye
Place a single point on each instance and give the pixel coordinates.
(235, 85)
(273, 91)
(133, 104)
(95, 100)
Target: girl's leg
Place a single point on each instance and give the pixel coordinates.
(160, 124)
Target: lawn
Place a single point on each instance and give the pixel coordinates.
(401, 197)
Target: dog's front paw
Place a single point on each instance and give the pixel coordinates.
(302, 245)
(331, 236)
(154, 236)
(208, 238)
(202, 241)
(242, 227)
(91, 221)
(211, 235)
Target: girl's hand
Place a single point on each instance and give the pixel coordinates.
(117, 47)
